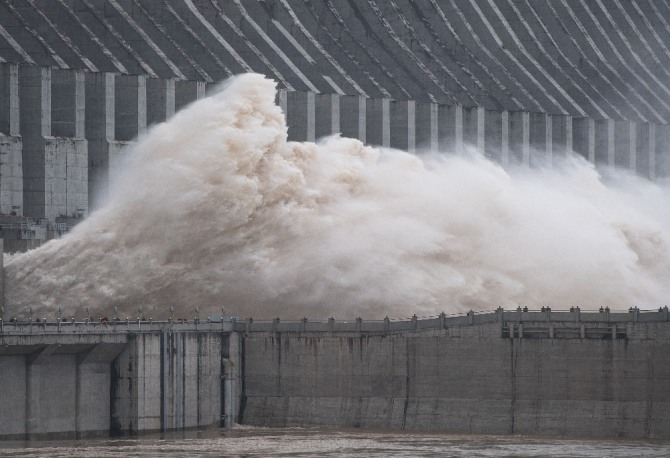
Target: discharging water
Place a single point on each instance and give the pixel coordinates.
(215, 208)
(298, 442)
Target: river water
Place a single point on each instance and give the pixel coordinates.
(300, 442)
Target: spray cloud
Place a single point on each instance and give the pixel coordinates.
(215, 208)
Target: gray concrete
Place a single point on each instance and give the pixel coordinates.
(468, 378)
(378, 122)
(353, 117)
(568, 373)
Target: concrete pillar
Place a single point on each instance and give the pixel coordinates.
(300, 113)
(604, 150)
(540, 139)
(625, 144)
(50, 393)
(131, 106)
(497, 135)
(474, 119)
(100, 132)
(9, 92)
(353, 117)
(584, 138)
(93, 377)
(426, 126)
(326, 114)
(561, 135)
(13, 396)
(403, 125)
(67, 103)
(645, 149)
(662, 156)
(44, 159)
(378, 127)
(160, 100)
(11, 143)
(450, 128)
(68, 123)
(519, 137)
(187, 92)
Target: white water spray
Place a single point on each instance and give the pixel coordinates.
(215, 208)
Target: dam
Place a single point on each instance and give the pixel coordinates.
(557, 373)
(530, 84)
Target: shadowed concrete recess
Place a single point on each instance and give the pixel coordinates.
(523, 81)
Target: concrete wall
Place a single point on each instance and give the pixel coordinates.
(77, 379)
(466, 378)
(64, 133)
(508, 372)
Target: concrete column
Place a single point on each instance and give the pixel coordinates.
(604, 151)
(625, 144)
(160, 100)
(540, 139)
(50, 393)
(403, 125)
(11, 143)
(645, 149)
(300, 112)
(662, 156)
(378, 127)
(100, 131)
(450, 128)
(474, 119)
(497, 135)
(519, 137)
(93, 377)
(561, 135)
(131, 106)
(13, 396)
(426, 122)
(353, 117)
(9, 92)
(187, 92)
(44, 164)
(584, 138)
(326, 114)
(68, 124)
(67, 103)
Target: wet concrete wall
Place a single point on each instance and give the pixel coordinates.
(530, 374)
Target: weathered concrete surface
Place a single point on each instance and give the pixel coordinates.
(464, 379)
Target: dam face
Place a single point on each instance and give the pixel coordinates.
(525, 82)
(508, 372)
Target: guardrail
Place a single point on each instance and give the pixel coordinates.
(386, 325)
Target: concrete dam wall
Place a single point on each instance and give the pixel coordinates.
(550, 373)
(523, 81)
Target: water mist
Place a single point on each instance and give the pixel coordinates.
(215, 208)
